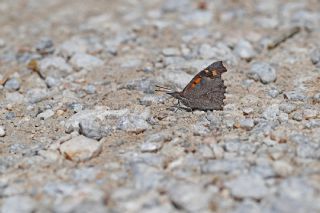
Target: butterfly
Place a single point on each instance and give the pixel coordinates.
(206, 91)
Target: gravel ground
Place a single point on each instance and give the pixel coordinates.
(82, 128)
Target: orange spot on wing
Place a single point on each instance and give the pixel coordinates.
(195, 82)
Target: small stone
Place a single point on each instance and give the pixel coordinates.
(18, 204)
(295, 96)
(232, 145)
(2, 131)
(90, 89)
(247, 123)
(46, 114)
(148, 100)
(218, 151)
(36, 95)
(80, 148)
(12, 84)
(297, 116)
(244, 50)
(316, 98)
(315, 56)
(94, 129)
(222, 166)
(170, 51)
(84, 61)
(263, 71)
(52, 81)
(190, 197)
(309, 114)
(45, 46)
(282, 168)
(150, 147)
(54, 66)
(133, 123)
(271, 112)
(287, 107)
(248, 186)
(205, 151)
(283, 117)
(198, 18)
(247, 110)
(273, 93)
(76, 107)
(145, 85)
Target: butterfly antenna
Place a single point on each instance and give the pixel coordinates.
(162, 89)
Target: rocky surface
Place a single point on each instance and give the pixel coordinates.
(82, 127)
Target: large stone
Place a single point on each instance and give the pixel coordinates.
(80, 148)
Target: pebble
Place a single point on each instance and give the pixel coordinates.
(73, 46)
(316, 98)
(80, 148)
(46, 114)
(150, 147)
(90, 89)
(297, 116)
(190, 197)
(2, 131)
(271, 112)
(52, 81)
(263, 71)
(36, 95)
(145, 85)
(232, 145)
(149, 100)
(246, 123)
(54, 66)
(45, 46)
(222, 166)
(244, 50)
(282, 168)
(248, 186)
(309, 113)
(295, 96)
(170, 51)
(198, 18)
(94, 129)
(135, 123)
(12, 84)
(273, 93)
(18, 204)
(84, 61)
(315, 56)
(287, 107)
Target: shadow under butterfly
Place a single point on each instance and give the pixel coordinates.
(206, 91)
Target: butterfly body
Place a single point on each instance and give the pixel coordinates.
(205, 91)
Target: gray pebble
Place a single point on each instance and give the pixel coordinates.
(36, 95)
(316, 98)
(232, 145)
(244, 50)
(145, 85)
(45, 46)
(12, 84)
(84, 61)
(315, 56)
(263, 71)
(76, 107)
(287, 107)
(297, 116)
(247, 123)
(90, 89)
(222, 166)
(55, 67)
(248, 186)
(46, 114)
(2, 131)
(295, 96)
(18, 204)
(271, 112)
(133, 123)
(94, 129)
(273, 93)
(151, 147)
(52, 81)
(170, 51)
(148, 100)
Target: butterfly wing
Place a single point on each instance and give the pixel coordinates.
(206, 90)
(212, 71)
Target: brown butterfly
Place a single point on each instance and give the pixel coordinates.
(205, 91)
